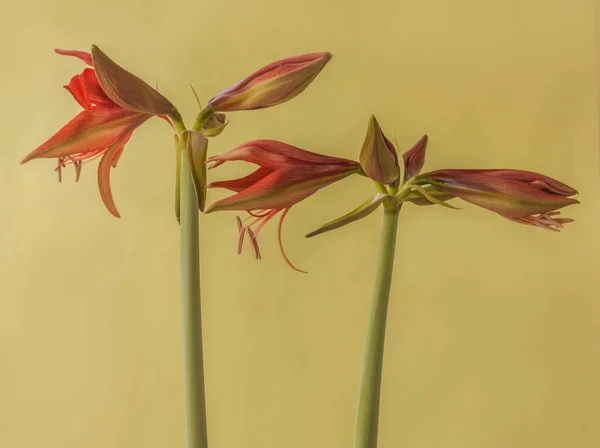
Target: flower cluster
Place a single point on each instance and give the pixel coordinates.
(115, 103)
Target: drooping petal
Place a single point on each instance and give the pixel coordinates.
(104, 168)
(126, 89)
(362, 211)
(274, 154)
(274, 84)
(83, 55)
(282, 188)
(90, 131)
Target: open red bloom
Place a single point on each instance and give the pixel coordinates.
(521, 196)
(286, 175)
(101, 130)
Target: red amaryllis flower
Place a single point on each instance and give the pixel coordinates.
(113, 107)
(521, 196)
(286, 175)
(273, 84)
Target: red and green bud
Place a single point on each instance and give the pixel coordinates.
(286, 176)
(414, 159)
(521, 196)
(105, 125)
(273, 84)
(378, 157)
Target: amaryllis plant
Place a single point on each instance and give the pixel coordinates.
(521, 196)
(115, 103)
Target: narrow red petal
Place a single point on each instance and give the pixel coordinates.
(104, 168)
(242, 183)
(275, 154)
(83, 55)
(76, 88)
(282, 188)
(89, 132)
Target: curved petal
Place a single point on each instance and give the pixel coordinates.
(83, 55)
(282, 188)
(76, 88)
(106, 163)
(90, 131)
(238, 185)
(274, 154)
(86, 90)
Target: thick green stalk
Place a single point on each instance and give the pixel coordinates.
(367, 416)
(194, 396)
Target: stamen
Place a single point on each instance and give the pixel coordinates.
(254, 243)
(287, 260)
(78, 165)
(241, 233)
(59, 170)
(265, 220)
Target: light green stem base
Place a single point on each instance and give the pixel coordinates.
(367, 416)
(195, 406)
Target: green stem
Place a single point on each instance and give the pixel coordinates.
(367, 416)
(193, 374)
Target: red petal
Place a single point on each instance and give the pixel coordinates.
(83, 55)
(104, 167)
(90, 131)
(75, 87)
(94, 91)
(414, 158)
(282, 188)
(243, 183)
(275, 154)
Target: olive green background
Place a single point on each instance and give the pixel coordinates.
(494, 327)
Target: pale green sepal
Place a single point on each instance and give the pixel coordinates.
(363, 210)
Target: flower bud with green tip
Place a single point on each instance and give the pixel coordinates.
(378, 157)
(273, 84)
